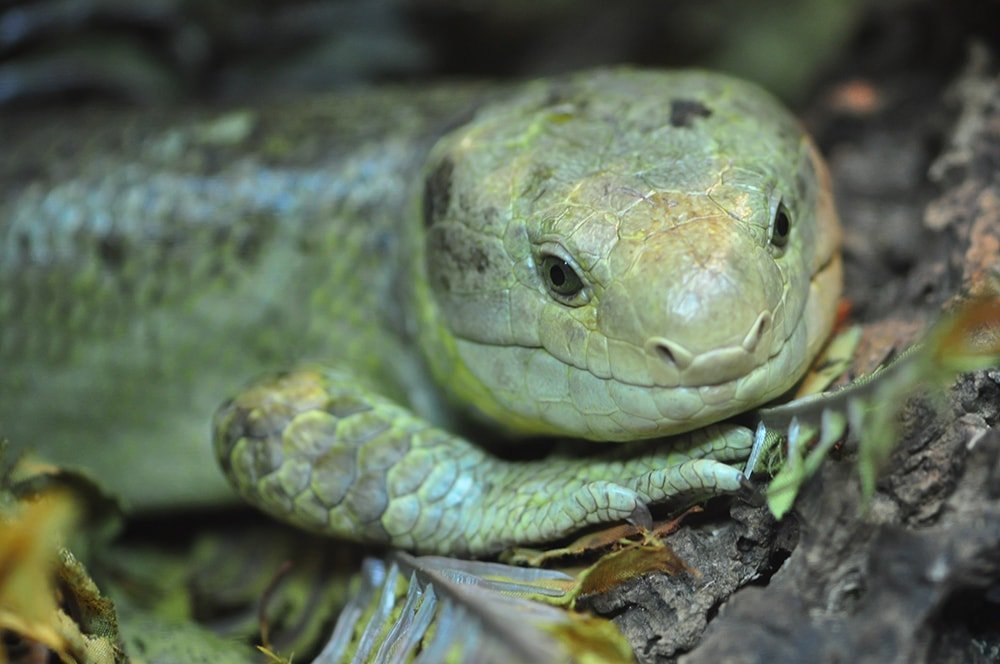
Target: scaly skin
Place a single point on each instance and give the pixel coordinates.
(151, 263)
(660, 192)
(315, 449)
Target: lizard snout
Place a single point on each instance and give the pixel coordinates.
(671, 363)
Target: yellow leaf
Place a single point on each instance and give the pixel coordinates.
(30, 536)
(619, 566)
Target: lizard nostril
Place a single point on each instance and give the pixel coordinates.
(665, 354)
(669, 353)
(757, 331)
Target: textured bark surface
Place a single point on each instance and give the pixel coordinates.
(915, 577)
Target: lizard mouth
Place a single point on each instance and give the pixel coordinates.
(672, 365)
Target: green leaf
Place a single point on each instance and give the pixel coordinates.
(868, 407)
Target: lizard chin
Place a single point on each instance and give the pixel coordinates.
(533, 392)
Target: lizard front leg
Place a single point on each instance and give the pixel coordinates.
(317, 449)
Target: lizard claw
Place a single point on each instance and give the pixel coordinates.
(641, 516)
(750, 493)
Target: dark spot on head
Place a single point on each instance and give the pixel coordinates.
(111, 250)
(683, 112)
(463, 254)
(437, 192)
(455, 261)
(804, 178)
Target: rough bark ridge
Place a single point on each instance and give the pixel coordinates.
(916, 577)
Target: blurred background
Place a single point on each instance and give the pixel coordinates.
(171, 51)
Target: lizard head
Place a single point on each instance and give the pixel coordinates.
(626, 254)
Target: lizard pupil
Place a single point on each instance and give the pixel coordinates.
(561, 279)
(781, 227)
(557, 276)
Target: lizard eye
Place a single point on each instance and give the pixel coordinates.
(560, 277)
(781, 226)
